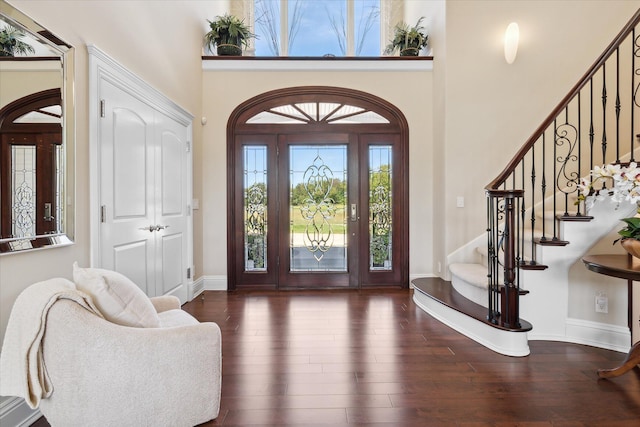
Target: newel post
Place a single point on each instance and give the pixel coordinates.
(502, 249)
(508, 292)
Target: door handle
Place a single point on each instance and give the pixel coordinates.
(47, 212)
(152, 228)
(354, 212)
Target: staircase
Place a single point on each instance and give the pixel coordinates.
(536, 228)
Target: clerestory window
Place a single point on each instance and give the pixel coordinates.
(320, 27)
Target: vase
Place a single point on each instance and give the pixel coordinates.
(410, 51)
(632, 246)
(229, 50)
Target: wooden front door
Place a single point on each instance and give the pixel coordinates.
(320, 204)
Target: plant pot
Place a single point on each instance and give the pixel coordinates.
(410, 51)
(229, 50)
(632, 246)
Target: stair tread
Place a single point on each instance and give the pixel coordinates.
(443, 292)
(483, 251)
(472, 273)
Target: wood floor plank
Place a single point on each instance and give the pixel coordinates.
(372, 358)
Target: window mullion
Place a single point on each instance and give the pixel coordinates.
(351, 28)
(284, 27)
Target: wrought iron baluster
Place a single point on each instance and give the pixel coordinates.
(533, 199)
(520, 222)
(555, 175)
(579, 149)
(618, 106)
(566, 178)
(635, 53)
(604, 113)
(543, 187)
(592, 134)
(578, 207)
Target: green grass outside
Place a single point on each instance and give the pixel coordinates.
(338, 222)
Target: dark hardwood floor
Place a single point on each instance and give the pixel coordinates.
(359, 358)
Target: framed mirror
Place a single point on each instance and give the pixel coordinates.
(37, 131)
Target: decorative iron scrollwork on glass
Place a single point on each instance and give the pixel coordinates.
(24, 204)
(256, 226)
(255, 208)
(23, 177)
(380, 212)
(318, 209)
(317, 215)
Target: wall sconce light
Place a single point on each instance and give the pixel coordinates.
(511, 38)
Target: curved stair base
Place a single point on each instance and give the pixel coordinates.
(501, 340)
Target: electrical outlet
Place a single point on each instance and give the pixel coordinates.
(602, 302)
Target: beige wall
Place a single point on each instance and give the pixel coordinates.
(17, 84)
(236, 87)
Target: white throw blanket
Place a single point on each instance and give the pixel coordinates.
(22, 369)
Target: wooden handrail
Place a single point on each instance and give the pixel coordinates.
(508, 170)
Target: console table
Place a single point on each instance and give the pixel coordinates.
(623, 267)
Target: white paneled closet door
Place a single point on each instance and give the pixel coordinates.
(127, 180)
(143, 184)
(171, 205)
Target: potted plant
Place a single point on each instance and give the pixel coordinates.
(625, 186)
(11, 43)
(407, 40)
(229, 34)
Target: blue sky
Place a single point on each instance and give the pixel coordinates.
(316, 36)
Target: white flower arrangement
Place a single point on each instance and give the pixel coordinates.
(624, 180)
(625, 187)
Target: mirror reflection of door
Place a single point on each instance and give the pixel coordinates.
(31, 166)
(318, 190)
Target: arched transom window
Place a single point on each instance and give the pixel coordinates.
(318, 112)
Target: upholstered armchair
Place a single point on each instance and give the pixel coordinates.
(101, 373)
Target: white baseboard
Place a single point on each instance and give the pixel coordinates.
(585, 332)
(208, 283)
(602, 335)
(14, 412)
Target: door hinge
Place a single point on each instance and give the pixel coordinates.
(189, 273)
(103, 107)
(188, 143)
(188, 210)
(103, 213)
